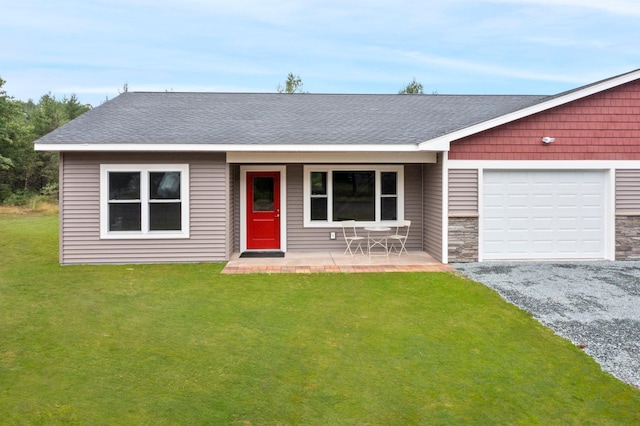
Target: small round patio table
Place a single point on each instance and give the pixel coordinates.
(377, 237)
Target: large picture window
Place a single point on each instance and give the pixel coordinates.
(369, 195)
(144, 201)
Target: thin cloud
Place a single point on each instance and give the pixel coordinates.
(620, 7)
(469, 67)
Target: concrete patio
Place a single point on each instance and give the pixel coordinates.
(334, 261)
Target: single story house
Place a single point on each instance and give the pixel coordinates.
(196, 177)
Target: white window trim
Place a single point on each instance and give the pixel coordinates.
(144, 170)
(308, 223)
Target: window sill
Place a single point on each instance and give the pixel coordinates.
(143, 236)
(391, 223)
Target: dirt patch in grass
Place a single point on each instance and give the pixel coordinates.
(37, 209)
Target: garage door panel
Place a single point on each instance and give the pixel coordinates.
(539, 199)
(542, 224)
(518, 223)
(543, 215)
(591, 223)
(518, 247)
(516, 200)
(592, 246)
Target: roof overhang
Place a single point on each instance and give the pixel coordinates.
(443, 143)
(308, 154)
(205, 147)
(422, 157)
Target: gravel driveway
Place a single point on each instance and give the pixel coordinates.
(596, 304)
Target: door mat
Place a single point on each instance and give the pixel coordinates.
(248, 254)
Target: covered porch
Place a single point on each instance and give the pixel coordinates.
(335, 261)
(304, 221)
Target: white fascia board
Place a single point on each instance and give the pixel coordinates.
(204, 147)
(589, 90)
(543, 164)
(443, 143)
(331, 157)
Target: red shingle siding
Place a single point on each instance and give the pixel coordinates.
(604, 126)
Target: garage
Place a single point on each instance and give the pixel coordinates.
(543, 214)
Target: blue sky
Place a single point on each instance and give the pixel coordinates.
(93, 47)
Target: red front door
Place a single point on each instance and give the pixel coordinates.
(263, 210)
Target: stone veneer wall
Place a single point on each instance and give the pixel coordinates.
(463, 239)
(627, 237)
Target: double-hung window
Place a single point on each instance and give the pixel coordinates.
(144, 201)
(367, 194)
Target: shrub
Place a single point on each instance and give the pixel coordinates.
(17, 198)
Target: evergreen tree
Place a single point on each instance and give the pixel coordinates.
(412, 88)
(293, 84)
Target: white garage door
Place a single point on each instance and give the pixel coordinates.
(543, 215)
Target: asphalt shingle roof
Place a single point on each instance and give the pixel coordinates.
(269, 118)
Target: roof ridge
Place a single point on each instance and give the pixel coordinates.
(189, 92)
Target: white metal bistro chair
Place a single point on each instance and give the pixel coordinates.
(398, 240)
(351, 237)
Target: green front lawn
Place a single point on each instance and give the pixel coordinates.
(182, 344)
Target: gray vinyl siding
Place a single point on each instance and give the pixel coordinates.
(234, 188)
(463, 192)
(80, 212)
(628, 192)
(302, 239)
(413, 205)
(60, 204)
(235, 197)
(432, 209)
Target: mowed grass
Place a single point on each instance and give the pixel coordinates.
(182, 344)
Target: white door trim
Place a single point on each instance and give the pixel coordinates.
(243, 202)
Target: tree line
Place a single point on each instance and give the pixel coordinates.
(25, 173)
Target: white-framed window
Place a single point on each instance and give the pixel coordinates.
(144, 201)
(369, 194)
